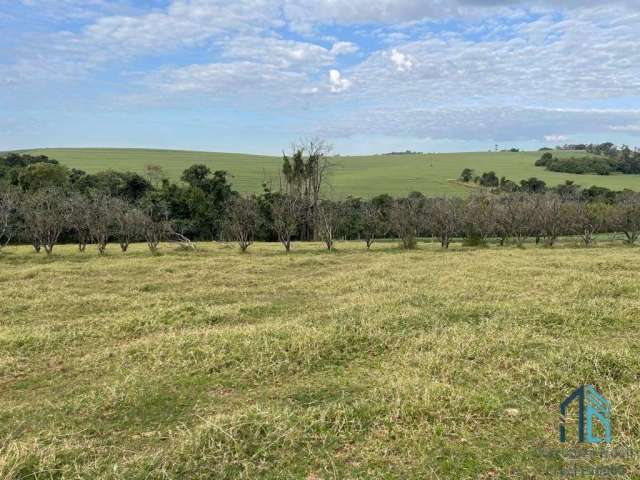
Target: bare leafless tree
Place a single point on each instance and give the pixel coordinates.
(8, 205)
(479, 217)
(372, 223)
(588, 218)
(287, 211)
(626, 217)
(445, 217)
(78, 219)
(305, 172)
(154, 229)
(128, 223)
(502, 220)
(318, 165)
(101, 218)
(241, 220)
(36, 243)
(27, 233)
(329, 221)
(537, 219)
(552, 217)
(406, 219)
(517, 215)
(46, 215)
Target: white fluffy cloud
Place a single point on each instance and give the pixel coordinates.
(402, 62)
(343, 48)
(337, 83)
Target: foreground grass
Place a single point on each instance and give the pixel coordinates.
(360, 176)
(389, 364)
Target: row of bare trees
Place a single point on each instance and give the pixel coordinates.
(509, 218)
(43, 217)
(514, 217)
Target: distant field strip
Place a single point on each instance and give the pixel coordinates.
(364, 176)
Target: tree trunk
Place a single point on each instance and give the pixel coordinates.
(329, 242)
(153, 246)
(244, 244)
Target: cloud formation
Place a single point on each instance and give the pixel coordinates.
(485, 123)
(543, 59)
(351, 12)
(545, 70)
(337, 82)
(402, 62)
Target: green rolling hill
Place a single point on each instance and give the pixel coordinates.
(365, 176)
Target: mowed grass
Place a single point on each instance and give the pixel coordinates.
(364, 176)
(387, 364)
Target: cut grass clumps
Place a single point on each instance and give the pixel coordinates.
(396, 364)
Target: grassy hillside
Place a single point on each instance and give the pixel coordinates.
(360, 176)
(392, 364)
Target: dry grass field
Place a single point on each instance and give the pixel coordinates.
(383, 364)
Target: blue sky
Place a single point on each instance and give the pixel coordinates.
(369, 76)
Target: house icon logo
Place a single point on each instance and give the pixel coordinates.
(592, 406)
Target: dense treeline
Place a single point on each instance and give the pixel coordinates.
(578, 165)
(43, 203)
(495, 185)
(193, 208)
(610, 159)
